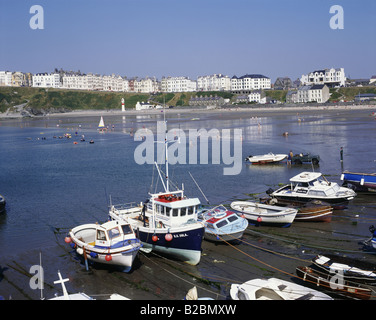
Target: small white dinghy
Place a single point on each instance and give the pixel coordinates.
(268, 158)
(259, 213)
(112, 243)
(274, 289)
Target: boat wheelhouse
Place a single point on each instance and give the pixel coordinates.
(166, 223)
(309, 186)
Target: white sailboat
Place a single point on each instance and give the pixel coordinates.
(101, 125)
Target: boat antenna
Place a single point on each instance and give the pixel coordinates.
(199, 187)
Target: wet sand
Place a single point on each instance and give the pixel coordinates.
(263, 252)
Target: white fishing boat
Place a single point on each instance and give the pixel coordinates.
(274, 289)
(260, 213)
(309, 186)
(111, 243)
(167, 222)
(268, 158)
(222, 224)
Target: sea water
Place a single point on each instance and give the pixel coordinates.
(53, 183)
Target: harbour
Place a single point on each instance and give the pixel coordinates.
(52, 185)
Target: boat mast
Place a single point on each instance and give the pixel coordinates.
(166, 149)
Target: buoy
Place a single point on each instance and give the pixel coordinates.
(93, 255)
(242, 216)
(108, 257)
(154, 238)
(80, 251)
(73, 245)
(168, 237)
(67, 239)
(259, 219)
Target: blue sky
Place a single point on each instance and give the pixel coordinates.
(189, 37)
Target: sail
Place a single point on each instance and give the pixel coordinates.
(101, 123)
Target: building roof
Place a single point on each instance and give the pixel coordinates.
(317, 86)
(253, 76)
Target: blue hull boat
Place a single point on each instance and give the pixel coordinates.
(365, 182)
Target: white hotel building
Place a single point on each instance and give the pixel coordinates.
(250, 82)
(5, 78)
(215, 82)
(45, 80)
(331, 77)
(178, 84)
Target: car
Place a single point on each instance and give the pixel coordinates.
(300, 158)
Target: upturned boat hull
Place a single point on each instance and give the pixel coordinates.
(363, 182)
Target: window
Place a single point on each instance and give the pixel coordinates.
(221, 223)
(183, 212)
(113, 233)
(175, 212)
(126, 229)
(232, 218)
(101, 235)
(190, 210)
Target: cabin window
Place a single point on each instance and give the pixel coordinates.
(190, 210)
(232, 218)
(101, 235)
(127, 229)
(183, 212)
(113, 233)
(221, 223)
(175, 212)
(316, 193)
(167, 211)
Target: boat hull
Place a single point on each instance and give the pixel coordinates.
(260, 214)
(223, 237)
(364, 182)
(350, 269)
(185, 243)
(121, 253)
(352, 290)
(315, 214)
(267, 159)
(274, 289)
(285, 194)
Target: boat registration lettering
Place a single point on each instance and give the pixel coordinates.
(180, 235)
